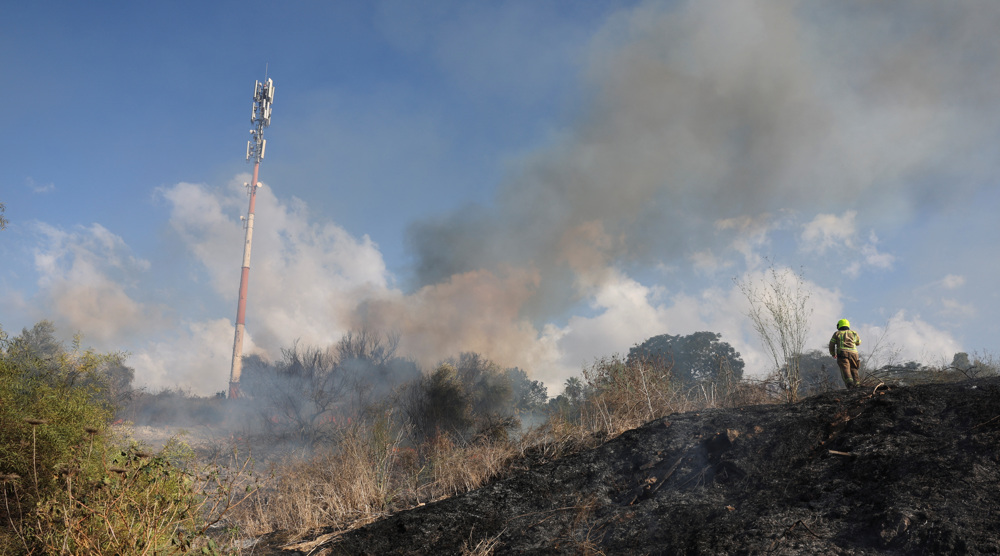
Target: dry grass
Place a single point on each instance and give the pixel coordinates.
(454, 469)
(370, 472)
(347, 487)
(629, 394)
(586, 529)
(482, 547)
(367, 476)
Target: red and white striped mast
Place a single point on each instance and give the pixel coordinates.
(260, 118)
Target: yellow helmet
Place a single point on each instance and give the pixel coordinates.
(842, 323)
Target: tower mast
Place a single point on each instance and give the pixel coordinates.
(260, 118)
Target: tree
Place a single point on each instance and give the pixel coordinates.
(41, 383)
(567, 405)
(298, 394)
(368, 345)
(979, 364)
(69, 486)
(471, 397)
(369, 358)
(37, 348)
(309, 389)
(819, 371)
(961, 361)
(489, 389)
(574, 389)
(779, 312)
(3, 221)
(527, 395)
(438, 404)
(694, 358)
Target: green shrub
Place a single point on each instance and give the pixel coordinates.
(126, 502)
(48, 410)
(66, 485)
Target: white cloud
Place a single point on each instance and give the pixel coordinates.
(39, 187)
(693, 114)
(707, 262)
(839, 233)
(913, 338)
(195, 357)
(873, 257)
(955, 309)
(87, 278)
(630, 313)
(312, 281)
(306, 277)
(829, 230)
(952, 281)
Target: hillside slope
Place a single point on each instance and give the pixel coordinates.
(905, 470)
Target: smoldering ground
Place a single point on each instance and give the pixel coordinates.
(889, 470)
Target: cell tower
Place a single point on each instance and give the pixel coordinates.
(260, 118)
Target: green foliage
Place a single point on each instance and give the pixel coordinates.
(126, 502)
(66, 487)
(566, 406)
(472, 397)
(574, 389)
(58, 390)
(485, 384)
(978, 365)
(961, 361)
(440, 404)
(694, 358)
(528, 395)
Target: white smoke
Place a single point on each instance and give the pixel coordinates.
(87, 282)
(710, 134)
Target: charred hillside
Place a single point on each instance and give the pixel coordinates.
(892, 470)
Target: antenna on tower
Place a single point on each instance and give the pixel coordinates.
(260, 118)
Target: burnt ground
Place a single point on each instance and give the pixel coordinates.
(903, 470)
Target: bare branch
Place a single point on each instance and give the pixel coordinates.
(779, 312)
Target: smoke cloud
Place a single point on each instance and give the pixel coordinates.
(713, 124)
(88, 278)
(705, 112)
(710, 134)
(709, 127)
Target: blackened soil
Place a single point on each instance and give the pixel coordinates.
(903, 470)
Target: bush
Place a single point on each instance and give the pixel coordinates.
(301, 397)
(626, 394)
(67, 486)
(471, 399)
(50, 405)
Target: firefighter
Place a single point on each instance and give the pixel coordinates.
(844, 346)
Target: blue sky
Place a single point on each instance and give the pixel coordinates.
(541, 182)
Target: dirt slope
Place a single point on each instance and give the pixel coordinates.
(907, 470)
